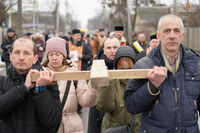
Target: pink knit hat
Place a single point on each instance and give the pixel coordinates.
(56, 44)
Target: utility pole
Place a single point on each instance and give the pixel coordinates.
(19, 18)
(34, 14)
(57, 17)
(174, 6)
(129, 22)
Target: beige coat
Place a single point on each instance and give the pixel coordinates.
(84, 95)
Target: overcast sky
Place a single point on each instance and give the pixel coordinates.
(83, 9)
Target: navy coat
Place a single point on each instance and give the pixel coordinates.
(174, 110)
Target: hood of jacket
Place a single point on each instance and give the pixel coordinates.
(124, 51)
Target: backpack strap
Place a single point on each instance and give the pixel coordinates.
(66, 94)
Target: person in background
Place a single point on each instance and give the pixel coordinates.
(169, 98)
(154, 42)
(28, 35)
(78, 51)
(26, 106)
(69, 35)
(6, 45)
(63, 36)
(88, 40)
(140, 45)
(109, 49)
(79, 92)
(111, 98)
(119, 32)
(101, 36)
(95, 45)
(40, 44)
(46, 36)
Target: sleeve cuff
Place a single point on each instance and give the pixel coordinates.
(152, 89)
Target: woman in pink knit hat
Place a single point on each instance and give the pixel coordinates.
(81, 94)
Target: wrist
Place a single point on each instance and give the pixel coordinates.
(39, 89)
(27, 89)
(152, 89)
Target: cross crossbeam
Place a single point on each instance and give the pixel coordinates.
(99, 74)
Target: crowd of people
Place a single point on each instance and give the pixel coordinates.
(166, 102)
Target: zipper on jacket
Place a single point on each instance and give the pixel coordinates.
(175, 98)
(175, 95)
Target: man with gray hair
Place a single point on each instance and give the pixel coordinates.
(169, 98)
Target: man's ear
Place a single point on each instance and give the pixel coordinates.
(35, 59)
(182, 37)
(158, 36)
(10, 56)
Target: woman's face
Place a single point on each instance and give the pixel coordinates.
(55, 59)
(125, 63)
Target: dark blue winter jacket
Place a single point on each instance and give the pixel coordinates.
(174, 110)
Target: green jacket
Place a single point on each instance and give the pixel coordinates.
(111, 101)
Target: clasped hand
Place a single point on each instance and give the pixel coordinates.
(45, 78)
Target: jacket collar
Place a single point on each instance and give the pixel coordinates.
(188, 58)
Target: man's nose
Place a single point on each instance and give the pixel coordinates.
(112, 50)
(172, 34)
(21, 56)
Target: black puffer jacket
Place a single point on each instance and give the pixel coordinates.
(25, 112)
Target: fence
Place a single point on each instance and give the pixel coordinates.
(192, 38)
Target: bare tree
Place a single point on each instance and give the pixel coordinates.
(4, 7)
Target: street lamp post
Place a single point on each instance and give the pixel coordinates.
(57, 17)
(9, 18)
(129, 21)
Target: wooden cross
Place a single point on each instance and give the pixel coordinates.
(99, 74)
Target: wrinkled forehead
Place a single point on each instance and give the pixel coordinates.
(171, 23)
(112, 43)
(23, 46)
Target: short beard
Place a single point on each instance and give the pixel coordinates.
(20, 71)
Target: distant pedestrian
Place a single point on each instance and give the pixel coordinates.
(154, 42)
(78, 51)
(101, 36)
(6, 45)
(40, 44)
(140, 44)
(95, 45)
(119, 34)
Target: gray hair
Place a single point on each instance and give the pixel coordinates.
(170, 16)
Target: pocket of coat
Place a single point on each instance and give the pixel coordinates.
(146, 128)
(192, 86)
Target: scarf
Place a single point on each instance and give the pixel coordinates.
(109, 63)
(61, 69)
